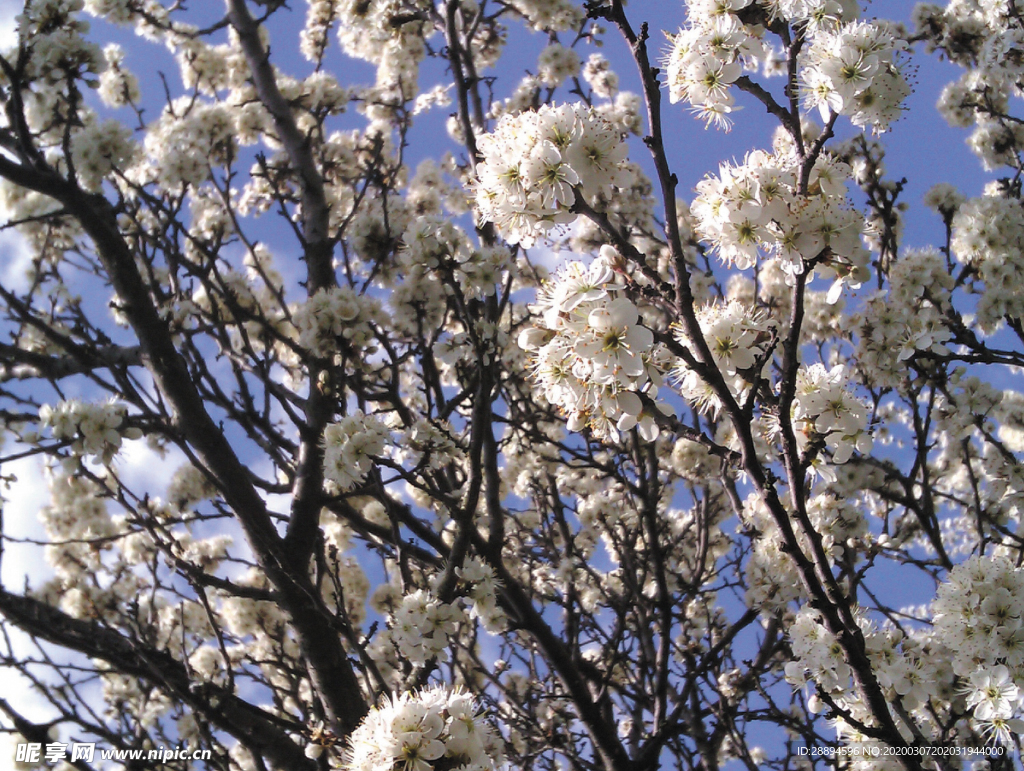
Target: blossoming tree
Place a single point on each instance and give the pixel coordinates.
(441, 503)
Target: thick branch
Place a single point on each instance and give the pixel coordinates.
(307, 493)
(330, 669)
(249, 724)
(19, 364)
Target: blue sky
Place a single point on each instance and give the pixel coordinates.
(922, 148)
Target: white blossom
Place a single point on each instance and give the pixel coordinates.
(413, 731)
(349, 448)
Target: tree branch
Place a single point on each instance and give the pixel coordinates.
(247, 723)
(318, 247)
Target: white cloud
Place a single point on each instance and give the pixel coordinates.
(15, 257)
(8, 29)
(23, 500)
(15, 253)
(143, 468)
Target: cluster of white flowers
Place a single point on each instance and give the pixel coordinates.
(987, 39)
(534, 163)
(354, 584)
(854, 70)
(599, 75)
(189, 137)
(422, 625)
(757, 206)
(438, 255)
(100, 148)
(210, 68)
(388, 33)
(978, 614)
(204, 553)
(76, 514)
(133, 696)
(432, 444)
(944, 199)
(988, 235)
(739, 337)
(374, 229)
(772, 579)
(903, 667)
(709, 55)
(392, 35)
(314, 37)
(246, 616)
(334, 315)
(817, 650)
(996, 699)
(556, 64)
(973, 651)
(549, 15)
(189, 485)
(367, 30)
(848, 67)
(825, 408)
(482, 593)
(592, 356)
(907, 319)
(57, 50)
(118, 85)
(94, 429)
(350, 446)
(433, 728)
